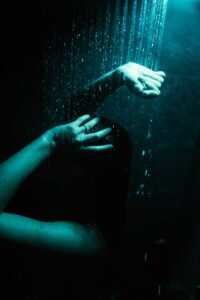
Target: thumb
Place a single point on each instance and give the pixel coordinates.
(134, 85)
(138, 86)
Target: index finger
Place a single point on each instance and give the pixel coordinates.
(81, 120)
(98, 135)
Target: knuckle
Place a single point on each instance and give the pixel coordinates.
(72, 129)
(130, 63)
(78, 139)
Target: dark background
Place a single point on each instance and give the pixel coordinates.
(24, 24)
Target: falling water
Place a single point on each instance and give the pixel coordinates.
(112, 33)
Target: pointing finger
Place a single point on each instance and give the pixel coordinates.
(89, 125)
(81, 120)
(92, 137)
(161, 73)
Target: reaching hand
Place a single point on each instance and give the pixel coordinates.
(76, 135)
(140, 80)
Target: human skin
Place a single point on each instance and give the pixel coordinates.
(141, 81)
(65, 236)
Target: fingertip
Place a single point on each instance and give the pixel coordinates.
(109, 147)
(159, 84)
(163, 74)
(151, 94)
(107, 130)
(156, 94)
(98, 119)
(83, 117)
(95, 120)
(139, 86)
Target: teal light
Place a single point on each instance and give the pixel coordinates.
(113, 33)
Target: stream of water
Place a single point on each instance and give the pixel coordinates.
(111, 34)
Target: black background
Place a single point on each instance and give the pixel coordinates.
(23, 27)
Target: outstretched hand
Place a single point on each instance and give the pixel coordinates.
(77, 136)
(140, 80)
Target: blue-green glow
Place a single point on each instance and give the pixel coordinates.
(112, 34)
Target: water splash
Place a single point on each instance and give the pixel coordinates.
(112, 33)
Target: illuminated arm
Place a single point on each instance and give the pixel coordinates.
(18, 167)
(138, 79)
(73, 136)
(61, 236)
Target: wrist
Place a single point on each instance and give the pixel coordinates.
(49, 142)
(119, 76)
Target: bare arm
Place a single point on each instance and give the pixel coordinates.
(138, 79)
(73, 136)
(61, 236)
(18, 167)
(66, 236)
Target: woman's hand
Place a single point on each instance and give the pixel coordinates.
(140, 80)
(77, 137)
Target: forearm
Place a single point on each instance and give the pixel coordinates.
(18, 167)
(104, 85)
(60, 236)
(138, 79)
(92, 95)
